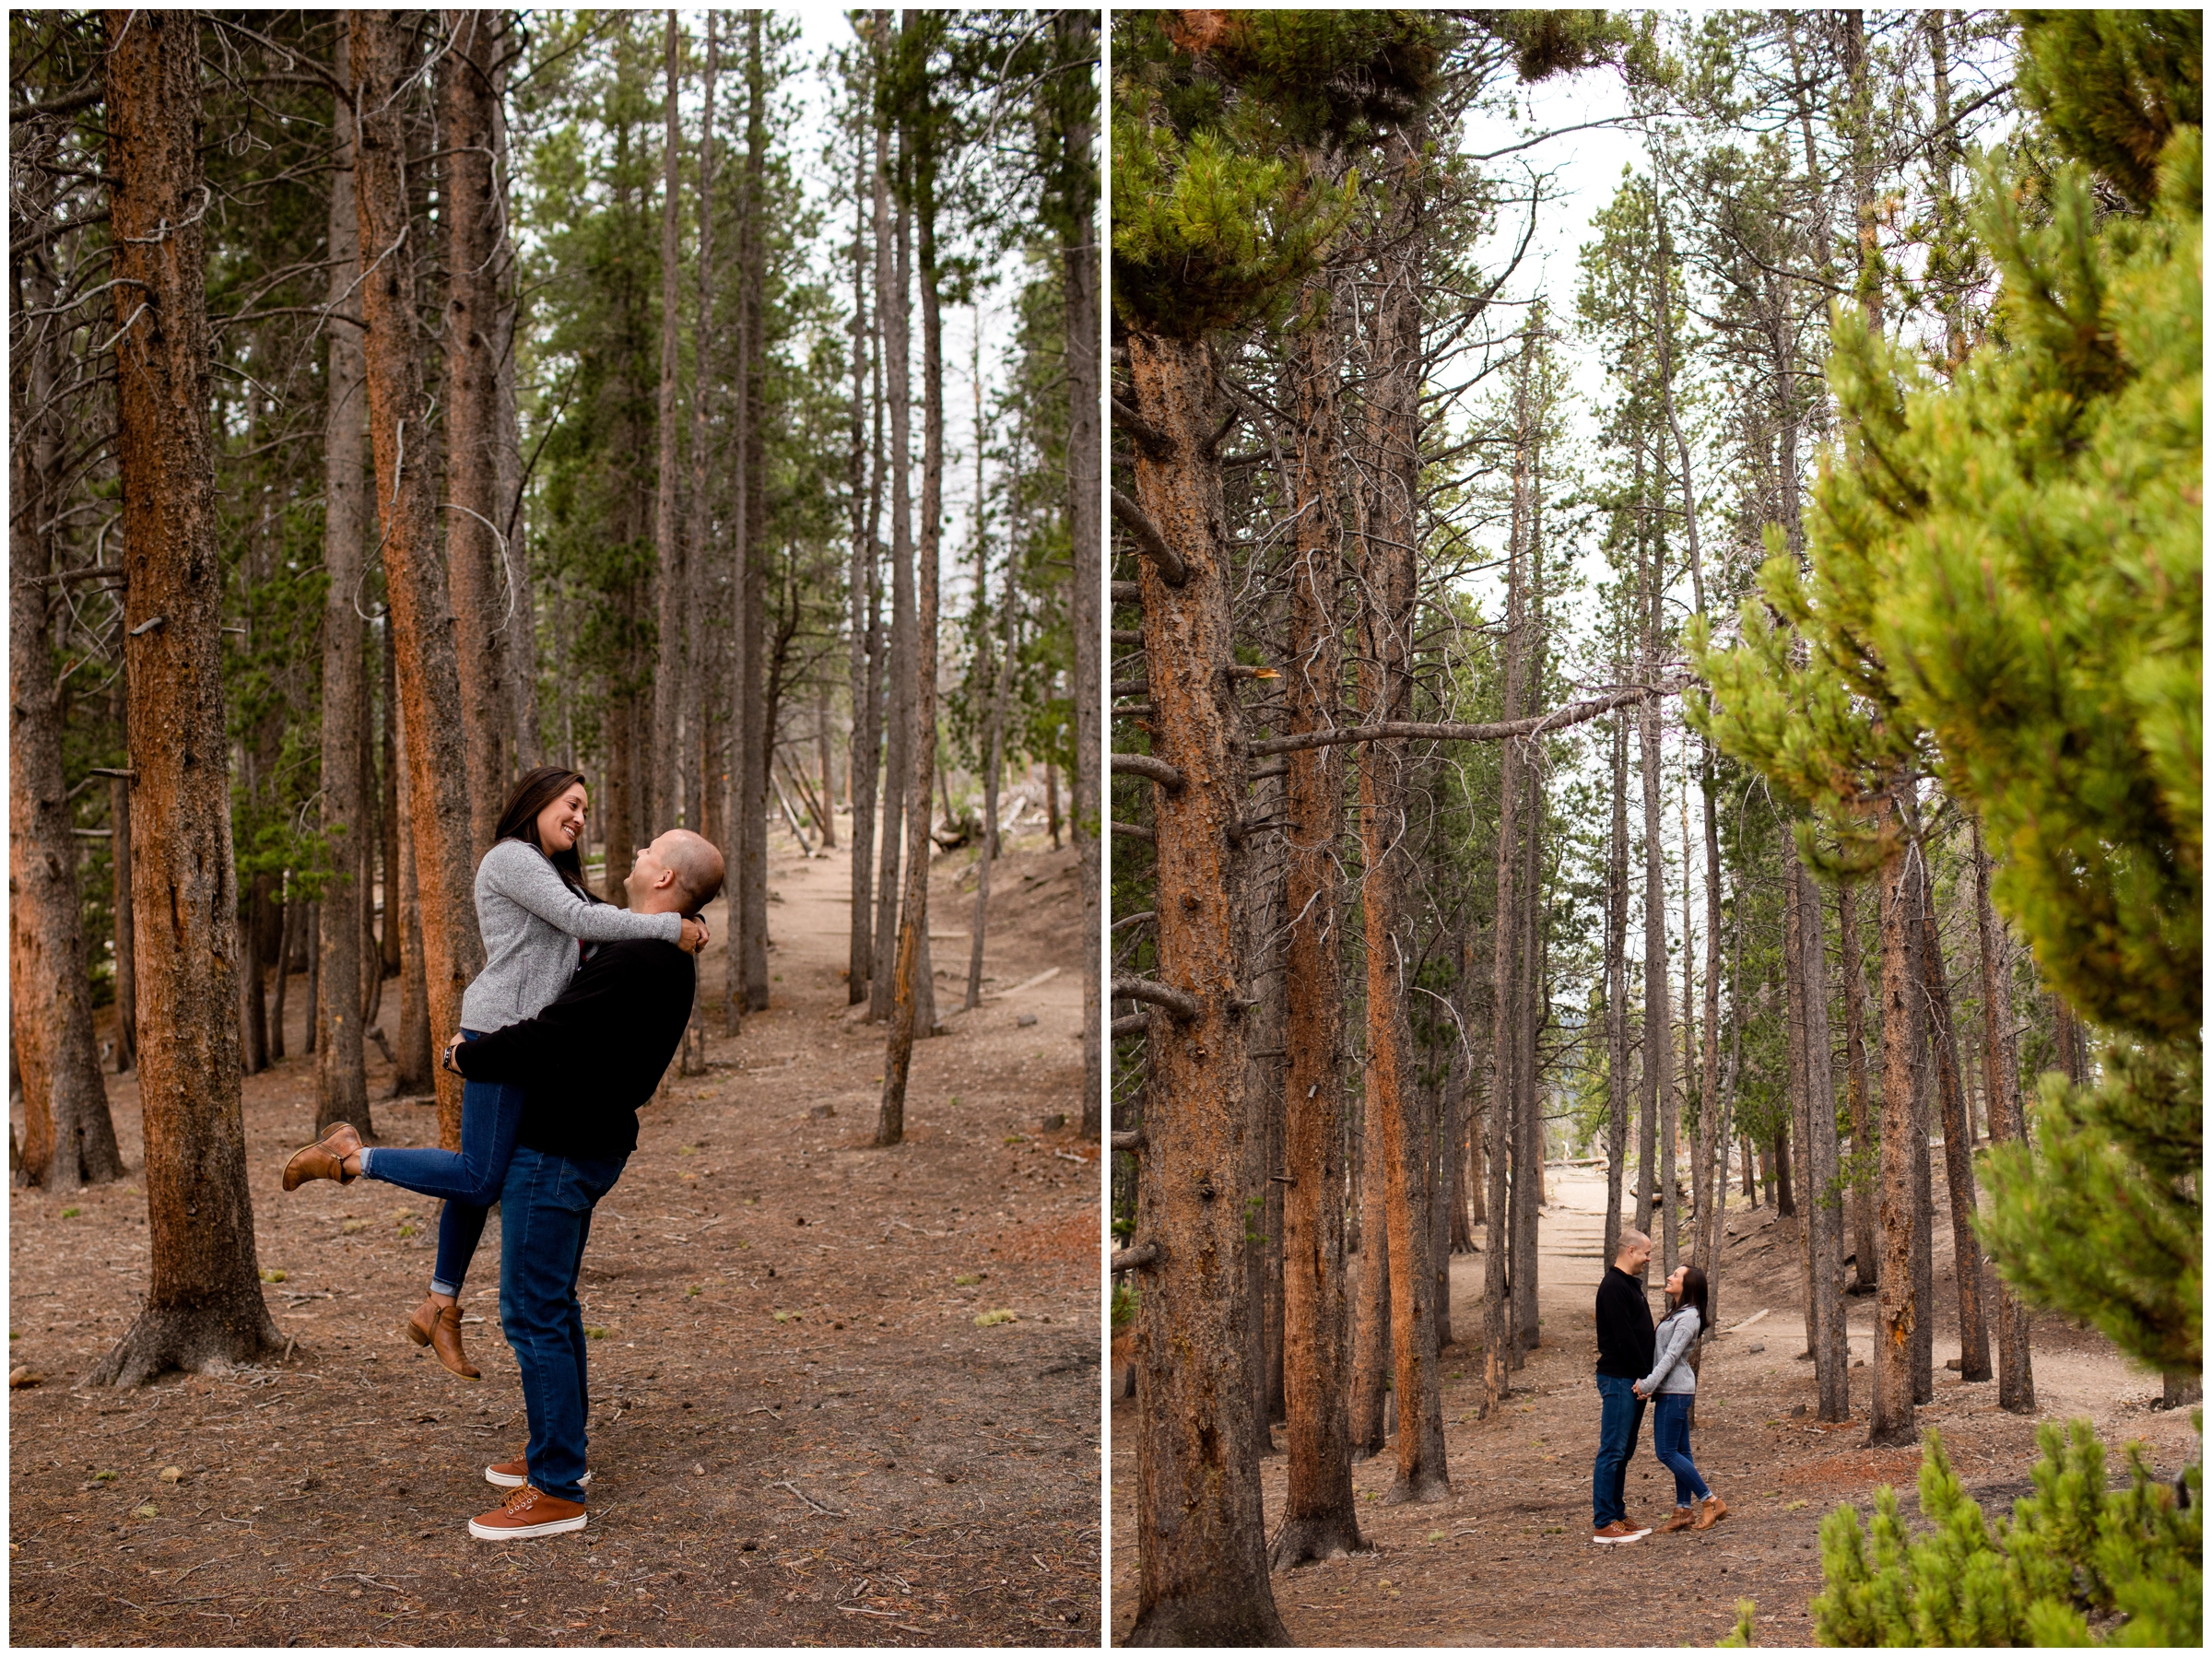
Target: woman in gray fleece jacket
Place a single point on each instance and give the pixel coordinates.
(536, 915)
(1674, 1385)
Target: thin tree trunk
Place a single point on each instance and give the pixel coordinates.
(867, 490)
(2015, 1370)
(1386, 686)
(388, 820)
(995, 759)
(1321, 1517)
(893, 286)
(1616, 992)
(1372, 1339)
(1898, 1306)
(422, 616)
(737, 827)
(1958, 1145)
(68, 1137)
(341, 1077)
(126, 954)
(1824, 1214)
(286, 941)
(1658, 1046)
(1076, 33)
(913, 1003)
(759, 723)
(1862, 1125)
(204, 1304)
(1924, 1089)
(665, 766)
(472, 216)
(411, 1059)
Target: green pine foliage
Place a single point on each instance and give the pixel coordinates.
(2005, 590)
(2113, 87)
(2132, 1559)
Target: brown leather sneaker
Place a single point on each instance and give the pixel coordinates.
(324, 1160)
(438, 1328)
(529, 1511)
(508, 1474)
(1713, 1511)
(1619, 1531)
(1683, 1519)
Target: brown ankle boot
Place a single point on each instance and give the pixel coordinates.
(438, 1328)
(324, 1160)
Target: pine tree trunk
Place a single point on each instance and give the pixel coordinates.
(68, 1137)
(1372, 1340)
(286, 942)
(422, 616)
(341, 1078)
(736, 825)
(1899, 1308)
(1387, 578)
(760, 725)
(1078, 36)
(203, 1307)
(664, 769)
(995, 745)
(861, 759)
(1658, 1046)
(1862, 1125)
(1958, 1146)
(1321, 1517)
(411, 1071)
(253, 1009)
(2015, 1370)
(893, 288)
(1617, 993)
(126, 954)
(1824, 1213)
(389, 812)
(1202, 1568)
(1923, 1087)
(523, 736)
(912, 1001)
(472, 217)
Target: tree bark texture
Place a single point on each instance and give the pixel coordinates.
(1824, 1210)
(1371, 1313)
(472, 214)
(2000, 1071)
(341, 1079)
(1864, 1247)
(893, 282)
(758, 726)
(1957, 1143)
(203, 1306)
(1387, 552)
(1202, 1566)
(1897, 1310)
(862, 758)
(414, 577)
(670, 589)
(1616, 992)
(913, 1003)
(68, 1137)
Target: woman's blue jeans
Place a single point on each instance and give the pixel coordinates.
(1670, 1442)
(468, 1179)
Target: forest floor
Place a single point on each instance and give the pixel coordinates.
(1509, 1560)
(801, 1433)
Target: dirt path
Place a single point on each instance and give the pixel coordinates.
(800, 1433)
(1508, 1560)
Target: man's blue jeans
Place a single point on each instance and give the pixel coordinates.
(468, 1179)
(545, 1220)
(1620, 1420)
(1670, 1443)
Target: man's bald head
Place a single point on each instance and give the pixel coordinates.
(679, 874)
(1634, 1250)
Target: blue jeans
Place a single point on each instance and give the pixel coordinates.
(1670, 1443)
(468, 1179)
(545, 1220)
(1620, 1419)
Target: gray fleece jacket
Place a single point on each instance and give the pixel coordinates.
(1671, 1342)
(531, 922)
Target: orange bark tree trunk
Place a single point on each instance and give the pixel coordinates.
(664, 769)
(472, 214)
(2000, 1079)
(1202, 1566)
(341, 1081)
(1321, 1517)
(1898, 1307)
(415, 578)
(203, 1306)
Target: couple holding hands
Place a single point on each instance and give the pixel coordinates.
(565, 1034)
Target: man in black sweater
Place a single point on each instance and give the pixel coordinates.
(1624, 1358)
(586, 1064)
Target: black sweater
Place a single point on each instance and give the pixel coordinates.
(1624, 1327)
(589, 1060)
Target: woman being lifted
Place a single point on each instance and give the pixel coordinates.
(537, 918)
